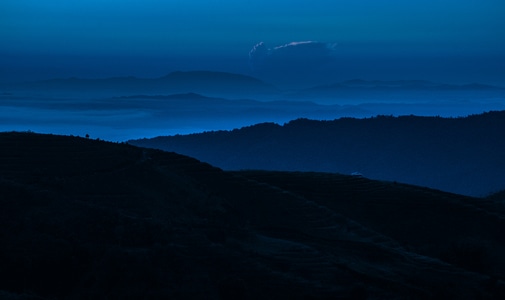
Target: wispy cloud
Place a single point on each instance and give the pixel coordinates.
(299, 58)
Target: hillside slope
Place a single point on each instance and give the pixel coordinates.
(85, 219)
(460, 155)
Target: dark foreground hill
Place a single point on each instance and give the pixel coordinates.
(460, 155)
(86, 219)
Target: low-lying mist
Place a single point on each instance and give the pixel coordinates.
(132, 117)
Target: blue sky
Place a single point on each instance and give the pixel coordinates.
(445, 40)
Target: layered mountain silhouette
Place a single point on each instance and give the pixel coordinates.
(85, 219)
(400, 90)
(204, 82)
(230, 85)
(121, 113)
(461, 155)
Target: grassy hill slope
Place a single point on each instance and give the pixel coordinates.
(459, 155)
(87, 219)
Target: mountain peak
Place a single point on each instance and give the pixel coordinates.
(209, 75)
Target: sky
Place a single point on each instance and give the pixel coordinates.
(453, 41)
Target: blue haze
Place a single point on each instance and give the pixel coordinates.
(450, 41)
(290, 44)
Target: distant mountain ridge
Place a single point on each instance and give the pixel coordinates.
(404, 84)
(409, 84)
(223, 84)
(363, 90)
(461, 155)
(184, 96)
(203, 82)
